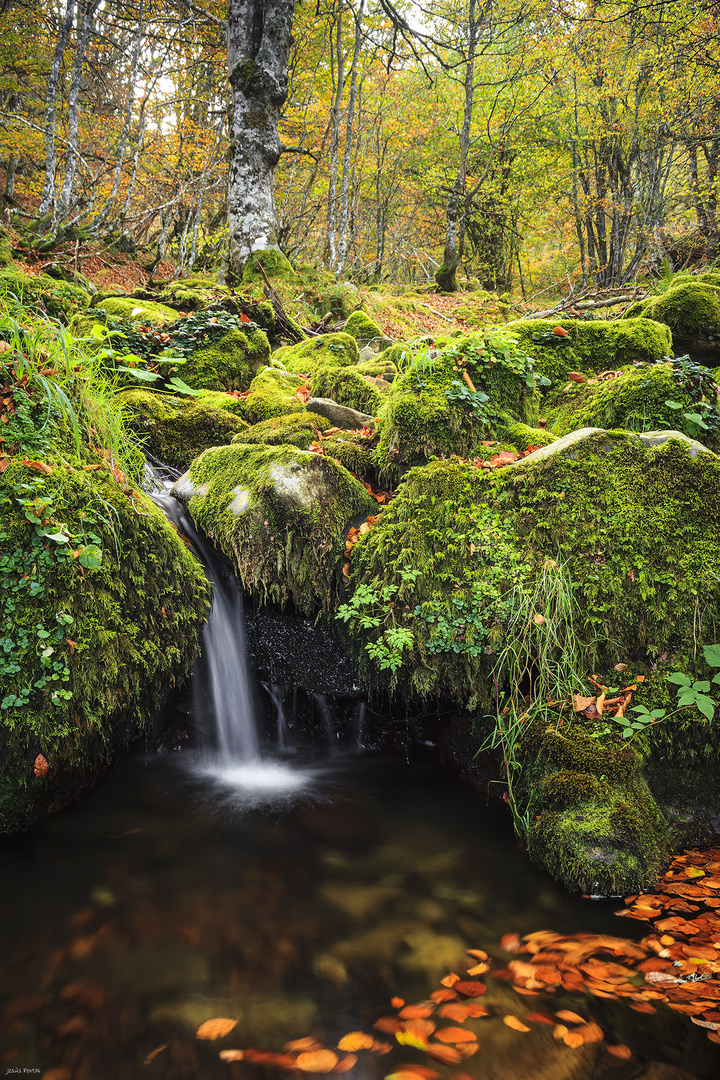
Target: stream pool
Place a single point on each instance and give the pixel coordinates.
(301, 902)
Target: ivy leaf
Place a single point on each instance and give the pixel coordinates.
(90, 557)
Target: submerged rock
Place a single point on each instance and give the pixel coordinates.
(280, 514)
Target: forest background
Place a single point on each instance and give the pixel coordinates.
(558, 144)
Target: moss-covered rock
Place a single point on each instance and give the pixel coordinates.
(348, 386)
(691, 308)
(272, 261)
(636, 527)
(137, 311)
(280, 514)
(328, 350)
(593, 822)
(636, 400)
(294, 429)
(431, 411)
(396, 357)
(230, 363)
(94, 643)
(364, 329)
(273, 393)
(338, 300)
(177, 430)
(590, 346)
(41, 293)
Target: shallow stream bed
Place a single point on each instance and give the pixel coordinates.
(169, 897)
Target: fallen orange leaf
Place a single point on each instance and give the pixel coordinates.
(356, 1040)
(217, 1028)
(514, 1023)
(620, 1051)
(225, 1055)
(317, 1061)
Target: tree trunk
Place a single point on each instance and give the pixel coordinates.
(259, 37)
(337, 67)
(48, 196)
(347, 158)
(445, 275)
(66, 194)
(122, 144)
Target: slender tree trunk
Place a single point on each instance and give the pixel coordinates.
(47, 200)
(445, 276)
(122, 144)
(74, 109)
(711, 150)
(10, 171)
(337, 64)
(259, 38)
(347, 157)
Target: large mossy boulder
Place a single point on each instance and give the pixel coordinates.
(101, 616)
(364, 329)
(229, 363)
(328, 350)
(591, 346)
(634, 520)
(431, 410)
(280, 514)
(642, 398)
(176, 430)
(690, 307)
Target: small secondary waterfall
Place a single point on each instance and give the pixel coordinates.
(221, 682)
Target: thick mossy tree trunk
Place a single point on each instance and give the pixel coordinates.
(259, 36)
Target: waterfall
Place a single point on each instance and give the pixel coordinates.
(221, 684)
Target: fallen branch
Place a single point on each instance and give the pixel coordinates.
(293, 330)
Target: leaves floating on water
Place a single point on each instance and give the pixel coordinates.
(317, 1061)
(216, 1028)
(356, 1040)
(514, 1023)
(455, 1035)
(225, 1055)
(159, 1049)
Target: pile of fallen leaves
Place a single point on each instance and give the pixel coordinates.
(503, 457)
(607, 702)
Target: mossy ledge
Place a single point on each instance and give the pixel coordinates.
(280, 514)
(133, 629)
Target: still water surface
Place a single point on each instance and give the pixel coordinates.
(301, 901)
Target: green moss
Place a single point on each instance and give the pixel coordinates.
(273, 262)
(420, 421)
(337, 300)
(6, 255)
(228, 402)
(687, 307)
(177, 430)
(521, 436)
(565, 788)
(281, 515)
(348, 386)
(137, 311)
(637, 531)
(230, 363)
(43, 294)
(606, 846)
(133, 627)
(635, 400)
(364, 329)
(593, 346)
(295, 429)
(352, 451)
(328, 350)
(273, 393)
(396, 357)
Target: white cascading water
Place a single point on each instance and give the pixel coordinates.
(221, 684)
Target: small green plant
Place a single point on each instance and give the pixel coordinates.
(698, 383)
(369, 607)
(691, 694)
(640, 722)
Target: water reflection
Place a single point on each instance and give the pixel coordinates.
(149, 908)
